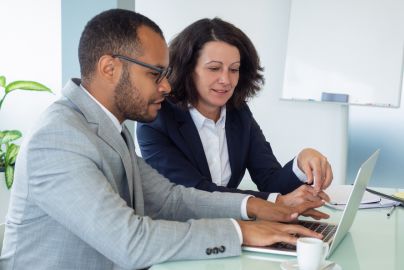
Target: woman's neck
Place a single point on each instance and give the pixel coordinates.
(209, 112)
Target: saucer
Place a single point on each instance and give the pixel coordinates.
(292, 265)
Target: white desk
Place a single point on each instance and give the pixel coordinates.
(374, 242)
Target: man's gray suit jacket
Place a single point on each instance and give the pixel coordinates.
(67, 208)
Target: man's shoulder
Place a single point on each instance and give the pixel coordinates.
(59, 118)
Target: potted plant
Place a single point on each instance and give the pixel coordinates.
(8, 149)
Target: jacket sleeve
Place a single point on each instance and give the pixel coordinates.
(163, 154)
(264, 168)
(66, 182)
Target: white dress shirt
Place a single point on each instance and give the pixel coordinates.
(114, 120)
(213, 137)
(214, 142)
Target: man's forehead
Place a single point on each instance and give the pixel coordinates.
(153, 46)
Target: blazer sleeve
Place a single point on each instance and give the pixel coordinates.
(264, 168)
(66, 182)
(167, 157)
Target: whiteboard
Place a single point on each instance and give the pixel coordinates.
(351, 48)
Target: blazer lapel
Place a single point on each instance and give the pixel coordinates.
(115, 140)
(105, 128)
(135, 186)
(190, 135)
(233, 131)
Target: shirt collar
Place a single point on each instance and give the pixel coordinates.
(200, 120)
(114, 120)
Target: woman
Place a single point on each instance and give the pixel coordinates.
(205, 135)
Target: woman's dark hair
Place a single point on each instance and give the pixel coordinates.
(111, 32)
(185, 50)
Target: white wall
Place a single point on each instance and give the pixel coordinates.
(30, 50)
(288, 126)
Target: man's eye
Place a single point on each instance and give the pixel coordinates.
(155, 74)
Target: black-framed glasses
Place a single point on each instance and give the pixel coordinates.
(163, 72)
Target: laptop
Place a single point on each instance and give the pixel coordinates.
(333, 234)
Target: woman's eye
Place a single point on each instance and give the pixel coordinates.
(234, 70)
(214, 68)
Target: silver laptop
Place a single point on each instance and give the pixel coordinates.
(333, 234)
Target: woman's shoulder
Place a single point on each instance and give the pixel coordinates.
(242, 111)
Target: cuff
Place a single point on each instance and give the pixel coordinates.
(244, 215)
(299, 174)
(272, 197)
(238, 229)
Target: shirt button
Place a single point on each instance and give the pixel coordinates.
(208, 251)
(215, 250)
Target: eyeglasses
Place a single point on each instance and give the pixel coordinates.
(162, 72)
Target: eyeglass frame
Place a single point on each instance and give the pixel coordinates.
(163, 72)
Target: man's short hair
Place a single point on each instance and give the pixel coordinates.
(111, 32)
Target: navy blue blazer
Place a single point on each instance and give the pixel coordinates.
(171, 144)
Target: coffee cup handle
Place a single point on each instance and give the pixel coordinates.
(326, 248)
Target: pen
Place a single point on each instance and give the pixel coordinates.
(391, 210)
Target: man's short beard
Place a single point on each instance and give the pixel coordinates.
(129, 101)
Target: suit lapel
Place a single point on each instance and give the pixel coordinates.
(135, 186)
(190, 135)
(116, 142)
(105, 128)
(233, 132)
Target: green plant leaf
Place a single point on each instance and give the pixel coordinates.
(11, 154)
(26, 85)
(9, 176)
(2, 81)
(7, 136)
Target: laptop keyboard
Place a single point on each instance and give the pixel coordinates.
(327, 230)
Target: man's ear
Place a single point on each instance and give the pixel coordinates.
(109, 68)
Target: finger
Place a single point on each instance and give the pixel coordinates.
(286, 217)
(312, 195)
(286, 238)
(324, 163)
(308, 205)
(329, 177)
(300, 230)
(318, 179)
(324, 196)
(309, 175)
(313, 213)
(278, 213)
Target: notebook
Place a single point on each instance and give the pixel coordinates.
(333, 234)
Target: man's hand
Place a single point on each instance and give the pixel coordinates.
(300, 195)
(263, 233)
(304, 193)
(316, 168)
(261, 209)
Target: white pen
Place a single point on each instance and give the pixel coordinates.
(391, 210)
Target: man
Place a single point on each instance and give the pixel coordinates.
(82, 199)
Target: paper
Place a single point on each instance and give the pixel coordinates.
(339, 195)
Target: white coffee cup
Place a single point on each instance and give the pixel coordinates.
(311, 253)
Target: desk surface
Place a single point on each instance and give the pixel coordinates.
(374, 242)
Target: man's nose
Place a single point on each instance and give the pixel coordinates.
(164, 86)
